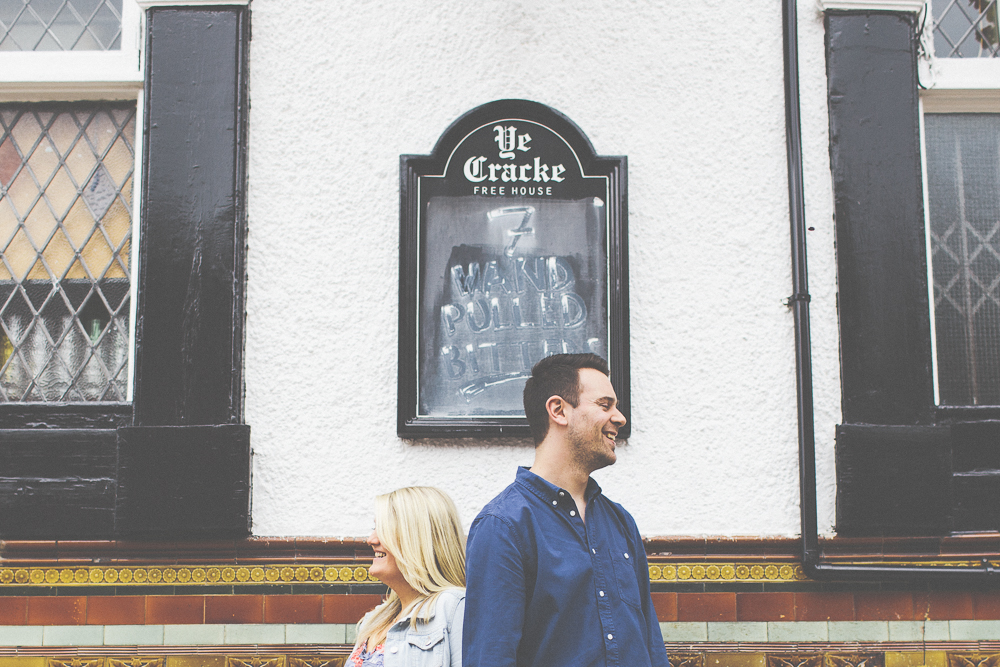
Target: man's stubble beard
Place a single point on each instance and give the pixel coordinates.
(586, 454)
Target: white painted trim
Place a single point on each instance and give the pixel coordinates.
(929, 253)
(914, 6)
(69, 91)
(147, 4)
(55, 66)
(961, 101)
(131, 27)
(66, 71)
(133, 260)
(964, 73)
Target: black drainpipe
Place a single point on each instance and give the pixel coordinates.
(799, 303)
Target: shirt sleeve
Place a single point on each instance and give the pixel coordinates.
(455, 634)
(495, 595)
(657, 651)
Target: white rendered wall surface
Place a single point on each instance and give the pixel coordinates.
(692, 93)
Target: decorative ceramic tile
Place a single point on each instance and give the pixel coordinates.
(859, 631)
(256, 661)
(316, 633)
(973, 659)
(802, 631)
(750, 571)
(133, 635)
(185, 575)
(135, 662)
(854, 660)
(687, 659)
(255, 634)
(316, 661)
(737, 632)
(795, 660)
(684, 632)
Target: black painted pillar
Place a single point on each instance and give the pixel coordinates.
(189, 329)
(184, 466)
(882, 276)
(893, 463)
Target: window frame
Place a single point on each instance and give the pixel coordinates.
(905, 466)
(75, 76)
(175, 461)
(950, 85)
(46, 76)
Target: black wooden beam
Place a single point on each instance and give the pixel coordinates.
(893, 480)
(882, 264)
(189, 333)
(184, 481)
(185, 466)
(58, 483)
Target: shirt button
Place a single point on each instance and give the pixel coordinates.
(572, 512)
(562, 493)
(610, 637)
(555, 502)
(593, 551)
(626, 555)
(601, 593)
(396, 648)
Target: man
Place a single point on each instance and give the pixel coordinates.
(556, 572)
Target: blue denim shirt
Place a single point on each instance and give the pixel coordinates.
(436, 642)
(544, 589)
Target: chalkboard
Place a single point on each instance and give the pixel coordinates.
(512, 248)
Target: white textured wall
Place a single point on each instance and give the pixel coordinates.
(690, 92)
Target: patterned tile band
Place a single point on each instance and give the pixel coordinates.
(750, 572)
(758, 572)
(354, 573)
(185, 575)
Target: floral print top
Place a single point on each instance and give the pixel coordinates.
(360, 657)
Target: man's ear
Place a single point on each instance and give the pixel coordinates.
(556, 407)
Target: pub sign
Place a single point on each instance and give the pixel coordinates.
(512, 248)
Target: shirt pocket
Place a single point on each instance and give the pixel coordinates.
(425, 650)
(625, 579)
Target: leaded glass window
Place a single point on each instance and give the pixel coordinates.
(60, 25)
(963, 175)
(66, 174)
(966, 29)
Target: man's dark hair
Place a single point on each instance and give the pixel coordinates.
(558, 375)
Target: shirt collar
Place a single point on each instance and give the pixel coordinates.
(548, 491)
(409, 615)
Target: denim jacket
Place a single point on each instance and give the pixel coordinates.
(436, 642)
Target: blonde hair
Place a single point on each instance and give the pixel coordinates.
(419, 526)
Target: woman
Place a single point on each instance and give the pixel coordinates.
(420, 555)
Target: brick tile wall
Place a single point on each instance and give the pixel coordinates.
(348, 609)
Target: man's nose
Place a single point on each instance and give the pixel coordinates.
(618, 419)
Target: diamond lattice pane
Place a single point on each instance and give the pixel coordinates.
(61, 193)
(19, 255)
(966, 29)
(963, 176)
(65, 238)
(60, 25)
(40, 225)
(43, 163)
(10, 162)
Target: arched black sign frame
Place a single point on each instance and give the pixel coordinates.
(439, 193)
